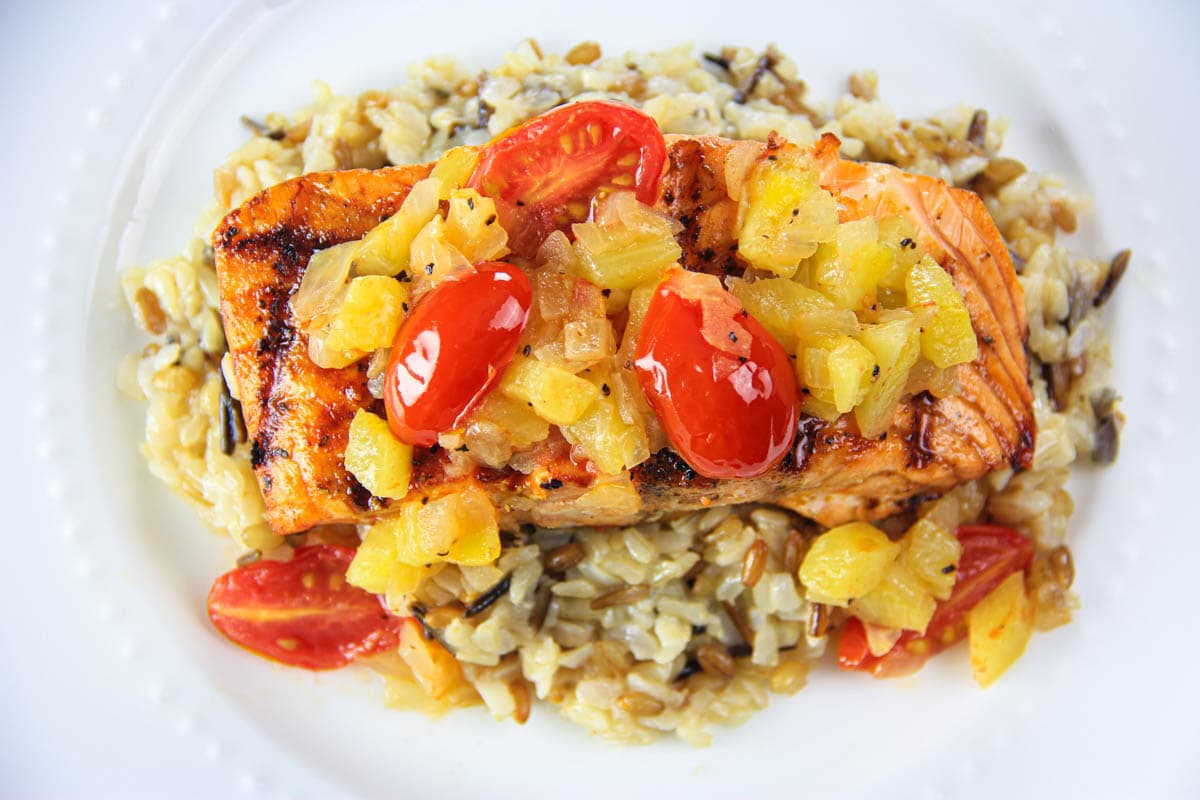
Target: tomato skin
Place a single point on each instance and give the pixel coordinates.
(452, 350)
(990, 553)
(540, 183)
(322, 621)
(730, 411)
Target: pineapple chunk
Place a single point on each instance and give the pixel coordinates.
(848, 269)
(374, 560)
(837, 370)
(786, 214)
(780, 305)
(932, 553)
(612, 495)
(385, 249)
(899, 236)
(499, 426)
(900, 600)
(434, 258)
(404, 582)
(472, 227)
(588, 340)
(397, 552)
(819, 408)
(846, 562)
(998, 629)
(823, 323)
(554, 394)
(454, 168)
(628, 246)
(554, 289)
(608, 440)
(376, 458)
(363, 319)
(459, 527)
(925, 377)
(896, 345)
(947, 337)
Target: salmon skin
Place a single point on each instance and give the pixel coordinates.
(298, 415)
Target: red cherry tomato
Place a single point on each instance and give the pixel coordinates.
(452, 349)
(721, 385)
(302, 612)
(990, 553)
(547, 171)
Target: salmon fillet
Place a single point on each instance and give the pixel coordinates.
(298, 415)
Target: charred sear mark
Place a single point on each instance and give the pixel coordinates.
(666, 468)
(359, 495)
(919, 453)
(262, 453)
(694, 193)
(807, 435)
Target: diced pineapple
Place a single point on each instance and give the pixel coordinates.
(785, 215)
(639, 302)
(385, 249)
(588, 340)
(925, 377)
(932, 553)
(473, 228)
(608, 440)
(998, 629)
(459, 527)
(553, 294)
(846, 562)
(630, 245)
(434, 258)
(848, 269)
(900, 600)
(899, 235)
(405, 581)
(613, 495)
(376, 458)
(780, 305)
(823, 323)
(554, 394)
(435, 669)
(454, 168)
(374, 560)
(499, 426)
(947, 337)
(364, 318)
(896, 345)
(837, 370)
(819, 408)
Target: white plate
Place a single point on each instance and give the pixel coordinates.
(111, 680)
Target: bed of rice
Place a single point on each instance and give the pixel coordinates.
(723, 621)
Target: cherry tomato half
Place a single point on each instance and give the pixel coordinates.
(452, 349)
(990, 553)
(721, 385)
(302, 612)
(547, 171)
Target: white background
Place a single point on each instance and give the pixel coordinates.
(110, 682)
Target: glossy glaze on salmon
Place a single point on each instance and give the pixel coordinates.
(298, 414)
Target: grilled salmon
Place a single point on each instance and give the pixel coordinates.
(298, 415)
